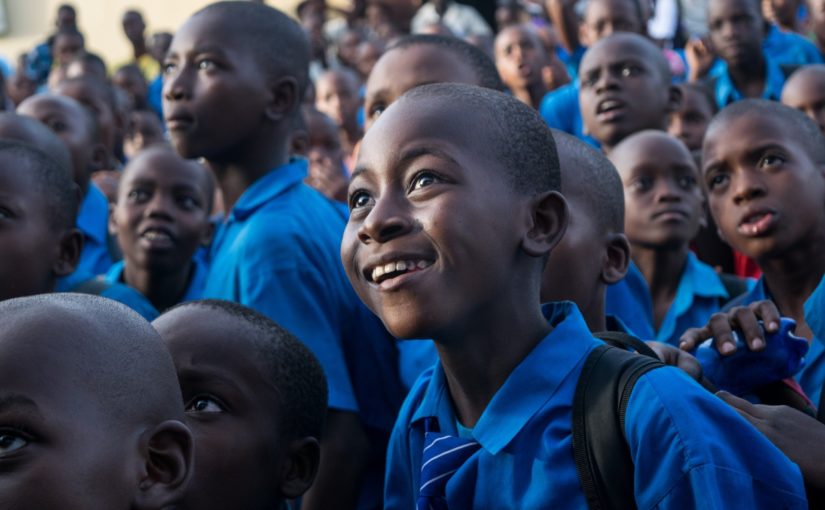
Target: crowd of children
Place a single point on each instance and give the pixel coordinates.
(390, 253)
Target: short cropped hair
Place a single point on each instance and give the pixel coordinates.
(294, 371)
(809, 134)
(51, 179)
(590, 170)
(704, 91)
(276, 41)
(515, 133)
(29, 130)
(481, 64)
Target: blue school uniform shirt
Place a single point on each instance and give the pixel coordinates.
(700, 294)
(788, 48)
(690, 450)
(115, 291)
(278, 251)
(725, 92)
(194, 291)
(560, 110)
(812, 375)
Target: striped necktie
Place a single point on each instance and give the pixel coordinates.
(443, 456)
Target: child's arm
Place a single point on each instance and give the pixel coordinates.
(564, 18)
(799, 436)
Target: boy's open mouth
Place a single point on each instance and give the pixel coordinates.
(756, 223)
(390, 270)
(608, 109)
(158, 237)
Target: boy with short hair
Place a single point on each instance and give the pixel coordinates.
(764, 169)
(420, 59)
(664, 208)
(625, 88)
(129, 79)
(112, 437)
(277, 250)
(337, 95)
(805, 91)
(690, 121)
(263, 432)
(520, 57)
(434, 204)
(160, 220)
(327, 171)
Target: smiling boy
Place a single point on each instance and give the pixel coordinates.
(454, 210)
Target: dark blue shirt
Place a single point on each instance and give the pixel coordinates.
(689, 448)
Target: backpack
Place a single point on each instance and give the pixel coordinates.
(603, 461)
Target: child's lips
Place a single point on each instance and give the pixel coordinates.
(757, 223)
(610, 109)
(157, 239)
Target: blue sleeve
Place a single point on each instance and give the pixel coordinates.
(298, 299)
(691, 450)
(558, 108)
(131, 298)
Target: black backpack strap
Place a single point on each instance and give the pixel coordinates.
(600, 449)
(95, 286)
(625, 341)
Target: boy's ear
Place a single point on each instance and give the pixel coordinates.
(548, 222)
(167, 465)
(674, 98)
(70, 246)
(284, 98)
(617, 259)
(208, 233)
(300, 466)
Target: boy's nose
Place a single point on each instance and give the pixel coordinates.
(174, 87)
(384, 222)
(747, 187)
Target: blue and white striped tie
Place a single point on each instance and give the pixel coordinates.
(443, 456)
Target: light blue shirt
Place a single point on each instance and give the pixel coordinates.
(700, 294)
(194, 291)
(725, 92)
(560, 110)
(690, 450)
(812, 375)
(278, 252)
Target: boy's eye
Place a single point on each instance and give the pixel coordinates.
(771, 160)
(687, 181)
(5, 214)
(138, 195)
(206, 65)
(642, 184)
(187, 203)
(716, 180)
(359, 199)
(169, 68)
(11, 442)
(630, 70)
(376, 111)
(423, 179)
(204, 405)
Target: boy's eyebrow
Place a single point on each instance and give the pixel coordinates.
(410, 155)
(207, 48)
(13, 400)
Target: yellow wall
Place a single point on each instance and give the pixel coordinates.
(30, 21)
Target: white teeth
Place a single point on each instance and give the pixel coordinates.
(401, 265)
(422, 264)
(389, 268)
(153, 234)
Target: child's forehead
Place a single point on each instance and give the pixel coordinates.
(651, 150)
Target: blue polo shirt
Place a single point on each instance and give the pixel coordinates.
(278, 251)
(700, 294)
(689, 448)
(812, 375)
(194, 291)
(788, 48)
(560, 110)
(725, 92)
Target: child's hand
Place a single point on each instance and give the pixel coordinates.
(678, 358)
(699, 57)
(799, 436)
(722, 324)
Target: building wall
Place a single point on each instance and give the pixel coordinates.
(30, 22)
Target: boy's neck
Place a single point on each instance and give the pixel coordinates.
(792, 279)
(240, 167)
(594, 314)
(139, 49)
(531, 95)
(662, 269)
(750, 80)
(480, 355)
(163, 290)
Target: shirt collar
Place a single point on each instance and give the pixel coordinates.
(268, 187)
(726, 93)
(527, 388)
(93, 216)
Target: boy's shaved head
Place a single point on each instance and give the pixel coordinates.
(808, 133)
(515, 134)
(105, 349)
(278, 43)
(29, 130)
(291, 366)
(587, 172)
(51, 178)
(481, 64)
(637, 44)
